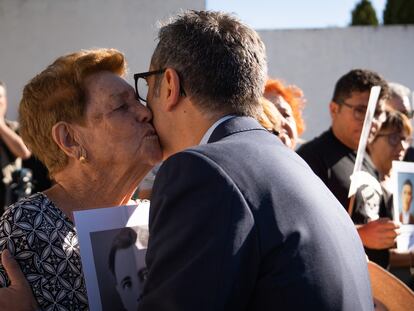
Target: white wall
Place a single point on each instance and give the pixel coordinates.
(314, 59)
(35, 32)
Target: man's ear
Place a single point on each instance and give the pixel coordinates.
(333, 109)
(171, 89)
(64, 136)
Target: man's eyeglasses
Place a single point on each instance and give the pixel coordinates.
(394, 139)
(141, 85)
(360, 111)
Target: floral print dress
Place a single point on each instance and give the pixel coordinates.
(44, 242)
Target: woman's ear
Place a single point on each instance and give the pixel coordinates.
(64, 136)
(171, 89)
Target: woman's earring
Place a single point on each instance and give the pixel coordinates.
(82, 158)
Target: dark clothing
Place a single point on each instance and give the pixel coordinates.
(334, 163)
(44, 242)
(40, 173)
(8, 166)
(242, 223)
(409, 156)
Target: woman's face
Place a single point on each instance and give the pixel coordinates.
(289, 133)
(389, 145)
(118, 132)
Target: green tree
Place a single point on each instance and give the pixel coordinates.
(364, 14)
(399, 12)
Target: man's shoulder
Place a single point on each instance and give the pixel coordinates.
(316, 143)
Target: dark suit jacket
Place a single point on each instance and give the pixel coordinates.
(242, 223)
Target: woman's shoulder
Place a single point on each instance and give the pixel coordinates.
(35, 203)
(29, 214)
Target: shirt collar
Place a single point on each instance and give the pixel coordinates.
(207, 135)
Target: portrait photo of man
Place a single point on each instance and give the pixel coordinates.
(119, 256)
(406, 217)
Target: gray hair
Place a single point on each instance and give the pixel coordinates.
(401, 93)
(221, 62)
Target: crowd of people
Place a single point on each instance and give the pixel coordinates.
(239, 220)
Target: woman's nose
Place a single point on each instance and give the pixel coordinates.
(143, 113)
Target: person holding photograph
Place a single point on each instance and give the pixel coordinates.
(332, 157)
(390, 144)
(406, 217)
(83, 121)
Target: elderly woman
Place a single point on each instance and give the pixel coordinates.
(82, 120)
(289, 101)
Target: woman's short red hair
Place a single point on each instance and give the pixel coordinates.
(293, 96)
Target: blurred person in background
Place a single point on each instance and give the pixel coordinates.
(270, 118)
(390, 144)
(12, 151)
(332, 157)
(290, 102)
(399, 98)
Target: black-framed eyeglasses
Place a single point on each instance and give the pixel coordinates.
(141, 85)
(395, 138)
(359, 112)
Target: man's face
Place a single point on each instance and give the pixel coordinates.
(130, 276)
(406, 197)
(348, 118)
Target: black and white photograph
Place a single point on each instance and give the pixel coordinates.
(113, 248)
(403, 181)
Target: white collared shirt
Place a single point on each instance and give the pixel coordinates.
(207, 135)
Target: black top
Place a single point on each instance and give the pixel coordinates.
(334, 163)
(409, 156)
(7, 167)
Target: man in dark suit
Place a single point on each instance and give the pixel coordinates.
(237, 221)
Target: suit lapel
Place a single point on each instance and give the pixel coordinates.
(234, 125)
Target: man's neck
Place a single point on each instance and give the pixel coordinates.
(190, 130)
(342, 140)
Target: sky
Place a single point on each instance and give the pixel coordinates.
(287, 14)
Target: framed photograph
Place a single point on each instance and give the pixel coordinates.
(403, 191)
(113, 244)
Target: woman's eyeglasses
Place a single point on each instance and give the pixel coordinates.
(395, 138)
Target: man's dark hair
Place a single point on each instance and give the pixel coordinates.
(2, 84)
(125, 238)
(408, 182)
(358, 80)
(221, 62)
